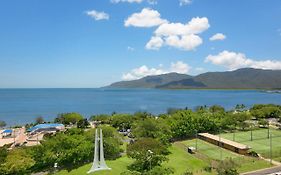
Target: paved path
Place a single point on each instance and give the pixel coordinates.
(266, 171)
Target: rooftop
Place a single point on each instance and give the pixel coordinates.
(225, 141)
(44, 126)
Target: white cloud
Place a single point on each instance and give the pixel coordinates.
(98, 15)
(218, 36)
(194, 26)
(129, 1)
(178, 35)
(146, 18)
(185, 2)
(155, 43)
(233, 60)
(186, 42)
(137, 73)
(129, 48)
(180, 67)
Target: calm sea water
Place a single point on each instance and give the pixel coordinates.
(19, 106)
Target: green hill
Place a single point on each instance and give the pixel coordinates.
(246, 78)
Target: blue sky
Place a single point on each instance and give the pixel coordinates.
(91, 43)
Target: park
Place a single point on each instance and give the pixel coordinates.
(202, 141)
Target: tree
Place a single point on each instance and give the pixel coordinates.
(122, 122)
(266, 111)
(240, 107)
(241, 119)
(153, 128)
(83, 123)
(159, 170)
(141, 115)
(227, 167)
(216, 109)
(3, 154)
(2, 124)
(187, 123)
(18, 161)
(148, 153)
(263, 123)
(103, 118)
(39, 120)
(70, 148)
(68, 118)
(188, 173)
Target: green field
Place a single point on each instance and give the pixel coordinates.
(210, 152)
(118, 166)
(179, 160)
(182, 161)
(260, 143)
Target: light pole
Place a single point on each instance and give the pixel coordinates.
(251, 133)
(270, 148)
(150, 158)
(220, 144)
(55, 166)
(196, 140)
(268, 130)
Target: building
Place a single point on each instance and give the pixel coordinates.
(224, 143)
(6, 133)
(47, 127)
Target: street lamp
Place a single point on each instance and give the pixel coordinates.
(55, 166)
(150, 157)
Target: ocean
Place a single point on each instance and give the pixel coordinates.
(20, 106)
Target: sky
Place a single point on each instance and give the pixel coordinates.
(92, 43)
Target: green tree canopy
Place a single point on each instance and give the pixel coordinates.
(266, 111)
(69, 118)
(122, 121)
(39, 120)
(83, 123)
(148, 153)
(156, 128)
(18, 161)
(2, 124)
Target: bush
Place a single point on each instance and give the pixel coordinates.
(227, 167)
(253, 154)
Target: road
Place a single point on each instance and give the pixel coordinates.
(267, 171)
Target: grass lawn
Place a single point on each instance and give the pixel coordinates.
(260, 143)
(117, 166)
(211, 152)
(181, 161)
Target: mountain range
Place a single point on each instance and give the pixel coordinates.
(246, 78)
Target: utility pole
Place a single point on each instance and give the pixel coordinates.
(270, 148)
(268, 131)
(251, 133)
(220, 145)
(196, 140)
